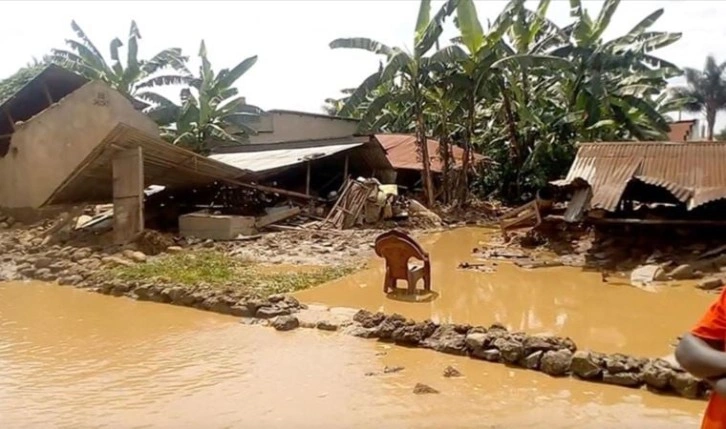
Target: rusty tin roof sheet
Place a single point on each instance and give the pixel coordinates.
(401, 152)
(695, 173)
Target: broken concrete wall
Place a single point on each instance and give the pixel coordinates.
(47, 148)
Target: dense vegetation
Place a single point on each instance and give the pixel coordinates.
(521, 91)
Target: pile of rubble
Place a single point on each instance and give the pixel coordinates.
(552, 355)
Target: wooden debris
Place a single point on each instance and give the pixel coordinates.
(277, 216)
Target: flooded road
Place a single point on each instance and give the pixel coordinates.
(567, 301)
(74, 359)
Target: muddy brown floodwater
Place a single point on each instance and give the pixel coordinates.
(567, 301)
(74, 359)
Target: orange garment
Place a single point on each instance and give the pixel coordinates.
(713, 327)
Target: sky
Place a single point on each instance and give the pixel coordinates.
(296, 70)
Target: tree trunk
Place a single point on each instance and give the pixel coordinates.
(423, 146)
(710, 122)
(512, 128)
(464, 175)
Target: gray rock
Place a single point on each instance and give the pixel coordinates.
(476, 341)
(179, 295)
(627, 379)
(423, 389)
(584, 366)
(285, 323)
(368, 319)
(328, 325)
(220, 304)
(685, 385)
(174, 249)
(392, 369)
(446, 340)
(389, 325)
(276, 298)
(532, 361)
(413, 334)
(450, 371)
(657, 374)
(707, 284)
(512, 351)
(556, 363)
(682, 272)
(535, 343)
(490, 355)
(270, 312)
(138, 256)
(361, 332)
(116, 261)
(70, 280)
(42, 262)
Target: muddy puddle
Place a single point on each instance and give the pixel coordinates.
(74, 359)
(567, 301)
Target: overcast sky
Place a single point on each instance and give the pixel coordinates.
(296, 69)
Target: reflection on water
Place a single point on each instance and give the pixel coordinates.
(564, 300)
(72, 359)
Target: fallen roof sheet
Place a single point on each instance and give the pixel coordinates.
(693, 172)
(273, 158)
(401, 150)
(164, 165)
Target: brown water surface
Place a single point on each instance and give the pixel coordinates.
(567, 301)
(74, 359)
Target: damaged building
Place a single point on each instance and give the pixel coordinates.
(646, 183)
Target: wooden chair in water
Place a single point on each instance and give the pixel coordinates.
(397, 248)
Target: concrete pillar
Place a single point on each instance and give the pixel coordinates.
(128, 195)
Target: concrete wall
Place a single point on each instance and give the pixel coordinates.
(47, 148)
(290, 126)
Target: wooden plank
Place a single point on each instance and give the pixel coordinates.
(307, 180)
(128, 195)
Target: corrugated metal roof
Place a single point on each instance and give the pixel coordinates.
(259, 161)
(401, 150)
(694, 173)
(164, 164)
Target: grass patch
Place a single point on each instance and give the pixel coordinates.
(219, 269)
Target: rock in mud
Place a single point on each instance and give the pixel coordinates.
(240, 310)
(447, 340)
(368, 319)
(392, 369)
(535, 343)
(361, 332)
(275, 298)
(270, 312)
(627, 379)
(618, 363)
(328, 325)
(116, 261)
(685, 385)
(389, 325)
(490, 355)
(42, 262)
(512, 351)
(450, 371)
(138, 256)
(423, 389)
(682, 272)
(532, 361)
(285, 323)
(584, 365)
(657, 374)
(556, 363)
(220, 304)
(413, 334)
(476, 341)
(710, 284)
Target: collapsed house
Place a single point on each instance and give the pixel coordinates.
(68, 141)
(646, 182)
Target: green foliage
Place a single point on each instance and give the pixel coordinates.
(135, 77)
(221, 270)
(212, 112)
(522, 90)
(705, 91)
(12, 84)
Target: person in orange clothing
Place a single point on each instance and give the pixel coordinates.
(702, 352)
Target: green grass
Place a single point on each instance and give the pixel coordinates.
(218, 269)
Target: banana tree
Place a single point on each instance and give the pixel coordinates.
(212, 112)
(136, 77)
(409, 71)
